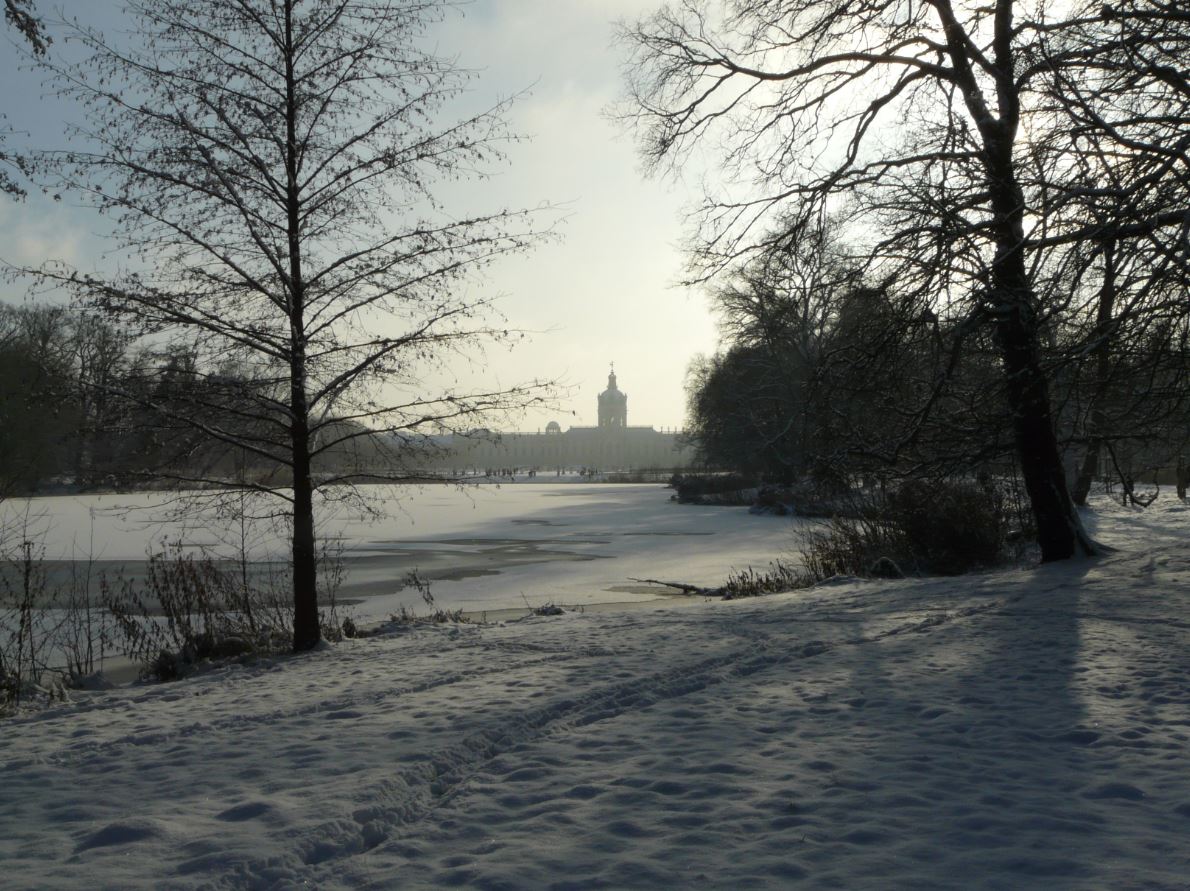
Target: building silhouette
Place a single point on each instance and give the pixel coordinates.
(611, 445)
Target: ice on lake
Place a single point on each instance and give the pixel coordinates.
(483, 548)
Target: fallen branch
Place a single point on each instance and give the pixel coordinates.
(689, 590)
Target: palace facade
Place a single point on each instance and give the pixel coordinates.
(611, 446)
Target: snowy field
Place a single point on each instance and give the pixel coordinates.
(483, 548)
(1018, 730)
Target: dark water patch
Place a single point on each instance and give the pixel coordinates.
(381, 572)
(402, 544)
(671, 534)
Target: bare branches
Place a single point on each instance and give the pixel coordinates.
(192, 160)
(944, 135)
(20, 14)
(271, 167)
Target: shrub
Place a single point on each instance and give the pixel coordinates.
(950, 528)
(191, 608)
(54, 633)
(436, 615)
(774, 500)
(850, 546)
(691, 488)
(942, 528)
(48, 635)
(809, 497)
(779, 577)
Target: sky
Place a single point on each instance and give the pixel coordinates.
(605, 292)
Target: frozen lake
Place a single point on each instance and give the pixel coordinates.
(483, 548)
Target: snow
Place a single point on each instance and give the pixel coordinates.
(1020, 729)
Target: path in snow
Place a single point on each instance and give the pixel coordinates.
(1017, 730)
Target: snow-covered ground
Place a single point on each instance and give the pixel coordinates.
(1017, 730)
(484, 547)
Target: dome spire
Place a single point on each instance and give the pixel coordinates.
(613, 403)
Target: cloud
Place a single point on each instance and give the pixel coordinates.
(606, 292)
(37, 230)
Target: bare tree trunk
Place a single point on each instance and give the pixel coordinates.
(306, 632)
(1089, 469)
(1059, 529)
(1098, 419)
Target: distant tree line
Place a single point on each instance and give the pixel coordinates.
(50, 418)
(85, 405)
(828, 375)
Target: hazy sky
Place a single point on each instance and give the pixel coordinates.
(604, 293)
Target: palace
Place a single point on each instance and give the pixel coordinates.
(612, 445)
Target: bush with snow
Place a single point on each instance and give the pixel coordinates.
(919, 527)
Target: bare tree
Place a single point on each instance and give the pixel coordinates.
(99, 360)
(1120, 172)
(817, 365)
(272, 165)
(913, 117)
(21, 15)
(37, 417)
(754, 398)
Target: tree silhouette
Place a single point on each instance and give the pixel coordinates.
(272, 167)
(910, 122)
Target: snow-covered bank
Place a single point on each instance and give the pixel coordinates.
(1026, 729)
